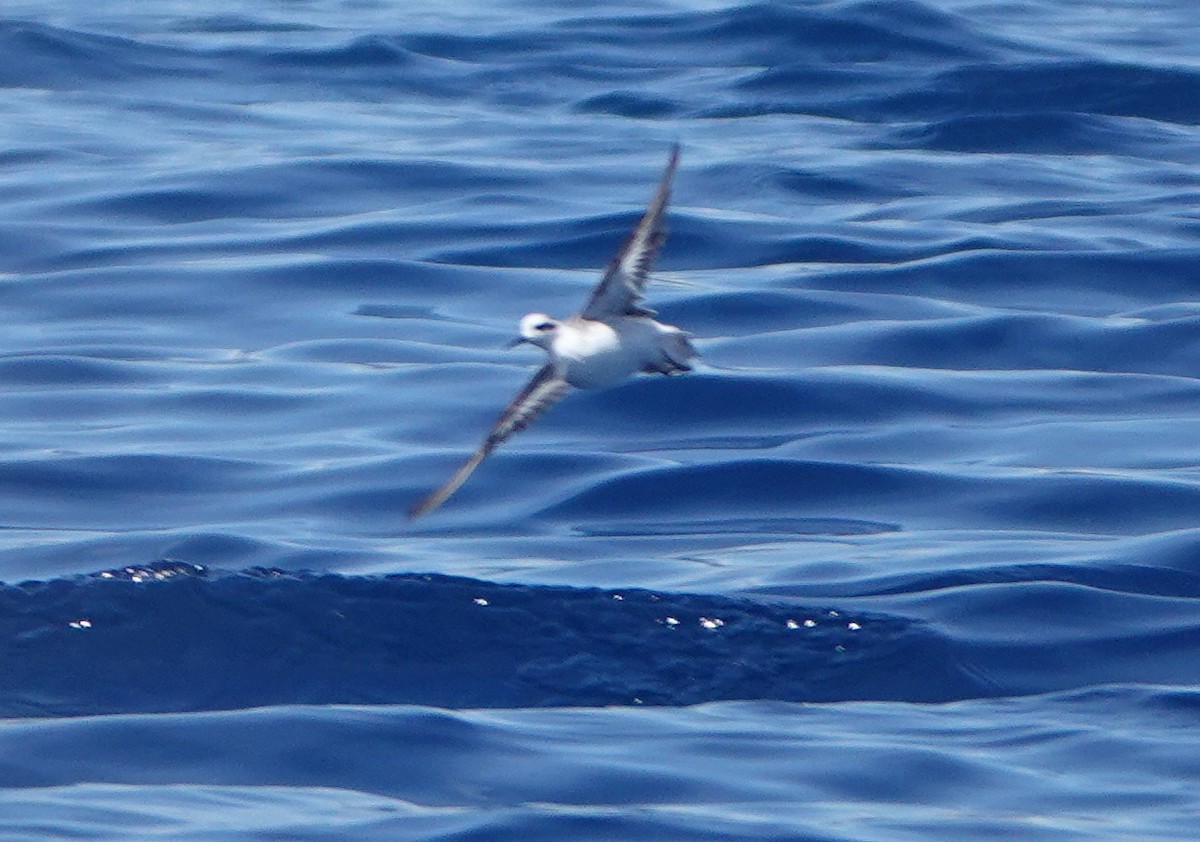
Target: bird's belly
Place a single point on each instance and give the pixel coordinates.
(599, 370)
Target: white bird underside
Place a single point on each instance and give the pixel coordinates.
(611, 339)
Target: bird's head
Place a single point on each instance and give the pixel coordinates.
(537, 329)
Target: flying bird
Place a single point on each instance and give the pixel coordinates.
(610, 339)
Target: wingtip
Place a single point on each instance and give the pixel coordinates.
(440, 495)
(420, 508)
(433, 500)
(673, 157)
(668, 178)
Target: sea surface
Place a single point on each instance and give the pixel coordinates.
(913, 555)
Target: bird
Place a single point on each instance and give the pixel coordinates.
(611, 339)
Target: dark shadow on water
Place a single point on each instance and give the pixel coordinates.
(177, 637)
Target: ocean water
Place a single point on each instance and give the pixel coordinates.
(913, 555)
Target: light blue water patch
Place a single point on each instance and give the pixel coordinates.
(1043, 767)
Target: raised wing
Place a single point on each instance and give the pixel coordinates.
(619, 292)
(545, 389)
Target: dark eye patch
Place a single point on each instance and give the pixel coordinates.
(544, 326)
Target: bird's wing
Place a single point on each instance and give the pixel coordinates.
(539, 394)
(619, 292)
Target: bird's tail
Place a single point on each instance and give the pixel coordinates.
(677, 355)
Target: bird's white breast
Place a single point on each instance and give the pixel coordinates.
(592, 354)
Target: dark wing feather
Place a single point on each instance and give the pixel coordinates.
(539, 394)
(619, 292)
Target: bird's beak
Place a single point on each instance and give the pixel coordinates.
(508, 346)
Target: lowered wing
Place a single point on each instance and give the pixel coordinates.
(543, 391)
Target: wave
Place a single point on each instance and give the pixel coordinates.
(751, 771)
(176, 637)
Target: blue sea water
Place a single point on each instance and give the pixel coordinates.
(914, 555)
